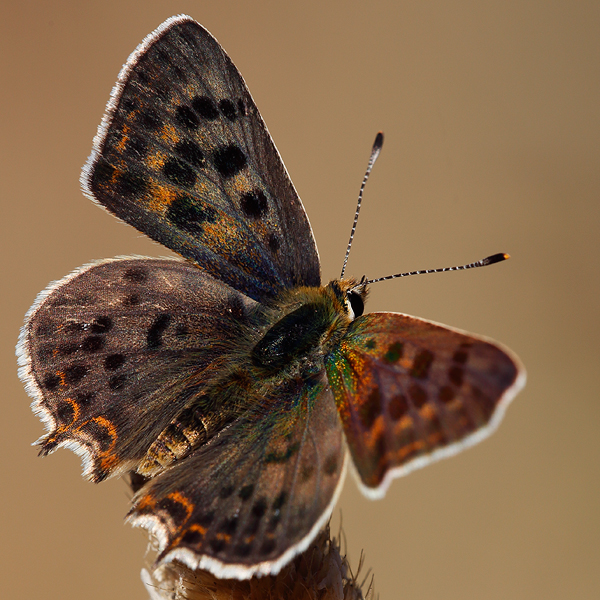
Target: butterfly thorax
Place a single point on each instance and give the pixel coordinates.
(284, 341)
(300, 329)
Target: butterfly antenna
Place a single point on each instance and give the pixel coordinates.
(374, 154)
(490, 260)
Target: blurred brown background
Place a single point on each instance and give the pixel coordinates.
(492, 119)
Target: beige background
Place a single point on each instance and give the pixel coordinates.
(492, 119)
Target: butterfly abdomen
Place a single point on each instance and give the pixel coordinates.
(188, 430)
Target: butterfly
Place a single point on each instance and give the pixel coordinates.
(231, 383)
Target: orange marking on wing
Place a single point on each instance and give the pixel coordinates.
(169, 134)
(412, 448)
(196, 527)
(435, 438)
(406, 422)
(406, 363)
(161, 198)
(156, 161)
(204, 189)
(108, 461)
(377, 429)
(226, 240)
(147, 501)
(107, 458)
(427, 412)
(76, 413)
(103, 422)
(120, 146)
(464, 422)
(132, 115)
(223, 536)
(181, 499)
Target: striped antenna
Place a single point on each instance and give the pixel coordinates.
(374, 154)
(490, 260)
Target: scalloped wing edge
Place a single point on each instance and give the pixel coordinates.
(25, 370)
(154, 526)
(467, 442)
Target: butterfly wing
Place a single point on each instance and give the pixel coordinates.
(255, 495)
(410, 391)
(184, 156)
(113, 352)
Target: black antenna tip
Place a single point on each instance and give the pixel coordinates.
(378, 141)
(495, 258)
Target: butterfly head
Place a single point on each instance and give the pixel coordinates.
(350, 295)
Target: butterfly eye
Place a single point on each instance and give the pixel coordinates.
(356, 304)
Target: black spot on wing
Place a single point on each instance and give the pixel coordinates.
(154, 335)
(103, 172)
(188, 214)
(456, 374)
(117, 382)
(268, 547)
(51, 381)
(446, 394)
(84, 398)
(136, 274)
(190, 152)
(421, 364)
(394, 352)
(280, 501)
(114, 361)
(254, 204)
(136, 148)
(149, 119)
(205, 107)
(218, 544)
(227, 109)
(65, 412)
(75, 373)
(179, 173)
(229, 160)
(130, 184)
(186, 117)
(229, 525)
(370, 408)
(226, 491)
(102, 325)
(398, 407)
(246, 492)
(92, 343)
(417, 394)
(274, 242)
(259, 508)
(129, 104)
(131, 300)
(243, 550)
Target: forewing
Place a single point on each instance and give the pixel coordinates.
(255, 495)
(410, 391)
(184, 156)
(115, 350)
